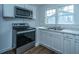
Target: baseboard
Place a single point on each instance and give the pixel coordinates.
(12, 51)
(57, 52)
(4, 50)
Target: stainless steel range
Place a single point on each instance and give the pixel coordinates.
(23, 37)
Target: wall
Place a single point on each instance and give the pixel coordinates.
(6, 31)
(52, 6)
(6, 25)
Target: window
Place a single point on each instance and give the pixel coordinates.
(50, 16)
(65, 15)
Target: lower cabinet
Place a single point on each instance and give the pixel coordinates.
(77, 44)
(44, 39)
(52, 40)
(61, 42)
(68, 44)
(77, 48)
(57, 39)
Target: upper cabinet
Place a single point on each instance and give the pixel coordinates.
(9, 9)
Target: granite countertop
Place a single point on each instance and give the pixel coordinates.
(69, 31)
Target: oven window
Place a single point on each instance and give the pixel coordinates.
(25, 38)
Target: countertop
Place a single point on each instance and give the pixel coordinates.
(69, 31)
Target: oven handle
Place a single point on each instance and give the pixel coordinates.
(21, 32)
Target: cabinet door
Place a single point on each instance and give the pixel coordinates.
(58, 42)
(8, 10)
(1, 9)
(68, 44)
(77, 44)
(48, 39)
(77, 48)
(52, 39)
(44, 38)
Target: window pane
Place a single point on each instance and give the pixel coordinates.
(51, 20)
(65, 15)
(51, 12)
(69, 8)
(50, 16)
(65, 20)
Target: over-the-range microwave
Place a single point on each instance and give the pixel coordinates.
(23, 13)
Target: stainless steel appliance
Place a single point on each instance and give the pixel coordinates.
(23, 13)
(25, 37)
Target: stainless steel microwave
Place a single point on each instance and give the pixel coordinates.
(23, 13)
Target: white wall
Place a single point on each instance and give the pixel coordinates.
(6, 31)
(52, 6)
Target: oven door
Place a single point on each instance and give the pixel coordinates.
(25, 38)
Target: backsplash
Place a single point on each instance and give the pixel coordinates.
(73, 27)
(65, 26)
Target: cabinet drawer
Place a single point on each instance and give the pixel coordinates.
(77, 44)
(77, 41)
(69, 36)
(57, 35)
(77, 37)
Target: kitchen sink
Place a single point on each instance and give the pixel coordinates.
(55, 28)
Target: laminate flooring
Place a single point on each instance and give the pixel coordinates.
(40, 50)
(35, 50)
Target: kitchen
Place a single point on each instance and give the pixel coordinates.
(56, 27)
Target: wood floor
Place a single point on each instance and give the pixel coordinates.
(39, 50)
(34, 50)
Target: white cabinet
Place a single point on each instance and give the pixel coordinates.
(52, 39)
(44, 38)
(33, 9)
(77, 44)
(8, 10)
(62, 42)
(77, 48)
(68, 43)
(58, 41)
(41, 37)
